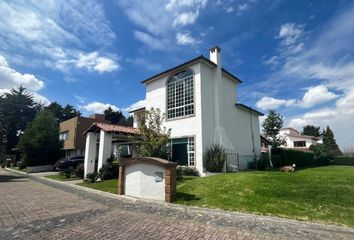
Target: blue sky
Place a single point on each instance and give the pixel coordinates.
(293, 56)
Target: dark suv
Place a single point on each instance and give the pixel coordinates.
(65, 163)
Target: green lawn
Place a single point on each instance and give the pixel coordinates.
(62, 178)
(107, 185)
(322, 194)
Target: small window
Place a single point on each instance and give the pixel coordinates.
(64, 135)
(299, 143)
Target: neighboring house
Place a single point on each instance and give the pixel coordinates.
(264, 144)
(199, 98)
(71, 132)
(295, 140)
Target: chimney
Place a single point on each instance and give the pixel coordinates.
(215, 55)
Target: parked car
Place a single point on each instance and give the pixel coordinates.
(65, 163)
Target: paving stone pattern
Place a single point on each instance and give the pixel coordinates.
(36, 208)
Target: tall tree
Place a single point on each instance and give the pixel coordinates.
(330, 142)
(40, 144)
(17, 109)
(271, 126)
(117, 117)
(311, 130)
(62, 113)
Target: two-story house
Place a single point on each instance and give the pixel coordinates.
(199, 99)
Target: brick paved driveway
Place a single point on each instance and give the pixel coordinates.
(32, 210)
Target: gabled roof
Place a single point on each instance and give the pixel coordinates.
(201, 58)
(137, 110)
(248, 108)
(112, 128)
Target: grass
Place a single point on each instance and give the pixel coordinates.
(107, 185)
(61, 178)
(321, 194)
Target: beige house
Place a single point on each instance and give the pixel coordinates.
(71, 132)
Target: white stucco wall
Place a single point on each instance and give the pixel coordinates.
(236, 121)
(290, 141)
(140, 181)
(184, 127)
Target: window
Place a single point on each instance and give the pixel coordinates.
(299, 143)
(64, 135)
(180, 95)
(183, 151)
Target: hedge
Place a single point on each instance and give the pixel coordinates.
(283, 157)
(343, 161)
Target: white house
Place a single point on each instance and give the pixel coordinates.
(295, 140)
(199, 99)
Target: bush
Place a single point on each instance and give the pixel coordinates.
(322, 155)
(92, 177)
(262, 163)
(187, 171)
(214, 158)
(109, 171)
(179, 173)
(285, 157)
(68, 172)
(80, 170)
(344, 161)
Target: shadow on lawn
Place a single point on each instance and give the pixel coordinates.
(187, 197)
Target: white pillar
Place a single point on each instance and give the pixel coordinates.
(90, 153)
(105, 149)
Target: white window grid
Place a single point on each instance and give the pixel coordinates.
(191, 152)
(180, 98)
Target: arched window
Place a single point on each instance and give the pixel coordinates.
(180, 95)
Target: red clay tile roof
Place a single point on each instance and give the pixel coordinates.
(113, 128)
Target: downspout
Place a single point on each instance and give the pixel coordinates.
(252, 137)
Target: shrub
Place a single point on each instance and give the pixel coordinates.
(179, 173)
(344, 161)
(108, 171)
(80, 170)
(284, 157)
(187, 171)
(68, 172)
(214, 158)
(322, 155)
(92, 177)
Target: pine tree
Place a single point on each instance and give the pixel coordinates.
(330, 142)
(271, 126)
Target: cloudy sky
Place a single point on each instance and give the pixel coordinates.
(293, 56)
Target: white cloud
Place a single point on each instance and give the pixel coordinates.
(243, 7)
(98, 107)
(39, 30)
(185, 18)
(10, 78)
(290, 33)
(317, 95)
(160, 19)
(136, 105)
(152, 42)
(90, 61)
(269, 103)
(185, 39)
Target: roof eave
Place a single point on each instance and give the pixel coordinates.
(249, 108)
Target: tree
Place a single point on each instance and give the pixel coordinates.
(155, 136)
(62, 113)
(330, 142)
(117, 117)
(17, 109)
(271, 126)
(40, 144)
(311, 130)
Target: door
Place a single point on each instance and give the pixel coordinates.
(180, 151)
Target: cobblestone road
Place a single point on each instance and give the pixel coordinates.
(32, 210)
